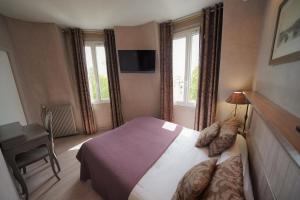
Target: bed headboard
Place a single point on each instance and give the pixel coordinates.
(274, 146)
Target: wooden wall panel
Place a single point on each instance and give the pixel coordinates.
(275, 175)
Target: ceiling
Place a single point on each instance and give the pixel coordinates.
(100, 14)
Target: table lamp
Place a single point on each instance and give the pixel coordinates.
(238, 98)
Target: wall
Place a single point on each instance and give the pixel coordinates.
(280, 83)
(140, 92)
(42, 73)
(7, 188)
(11, 100)
(240, 43)
(5, 40)
(10, 104)
(102, 114)
(184, 115)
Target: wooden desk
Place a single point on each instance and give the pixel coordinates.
(15, 139)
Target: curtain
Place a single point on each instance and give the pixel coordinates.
(166, 79)
(210, 49)
(113, 77)
(82, 81)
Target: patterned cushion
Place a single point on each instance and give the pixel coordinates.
(226, 137)
(227, 181)
(207, 135)
(195, 181)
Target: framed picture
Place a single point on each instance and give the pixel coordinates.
(286, 43)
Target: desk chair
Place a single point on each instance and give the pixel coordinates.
(47, 120)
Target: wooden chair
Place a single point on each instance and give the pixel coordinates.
(47, 120)
(42, 152)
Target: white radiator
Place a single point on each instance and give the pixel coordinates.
(63, 123)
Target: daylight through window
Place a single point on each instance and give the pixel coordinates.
(97, 72)
(185, 67)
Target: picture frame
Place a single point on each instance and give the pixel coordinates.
(286, 41)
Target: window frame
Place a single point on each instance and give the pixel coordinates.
(93, 45)
(188, 34)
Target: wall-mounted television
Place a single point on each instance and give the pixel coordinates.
(137, 61)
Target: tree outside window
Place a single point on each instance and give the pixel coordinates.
(186, 67)
(97, 72)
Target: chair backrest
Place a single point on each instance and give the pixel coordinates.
(47, 121)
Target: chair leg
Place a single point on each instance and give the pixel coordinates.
(57, 164)
(56, 161)
(52, 166)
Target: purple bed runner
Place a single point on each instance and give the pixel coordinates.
(116, 160)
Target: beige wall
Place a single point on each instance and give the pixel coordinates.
(184, 115)
(6, 44)
(10, 103)
(5, 40)
(140, 92)
(102, 114)
(42, 73)
(280, 83)
(7, 187)
(240, 43)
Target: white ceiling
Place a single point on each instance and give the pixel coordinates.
(99, 14)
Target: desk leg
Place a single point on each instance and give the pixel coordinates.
(17, 174)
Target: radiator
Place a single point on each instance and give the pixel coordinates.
(63, 123)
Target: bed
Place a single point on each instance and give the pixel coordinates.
(145, 159)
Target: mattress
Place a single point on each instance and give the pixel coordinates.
(160, 181)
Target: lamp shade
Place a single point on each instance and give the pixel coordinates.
(237, 98)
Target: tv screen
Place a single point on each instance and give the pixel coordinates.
(137, 60)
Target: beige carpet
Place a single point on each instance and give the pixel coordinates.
(42, 184)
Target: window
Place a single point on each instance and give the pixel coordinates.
(185, 67)
(97, 72)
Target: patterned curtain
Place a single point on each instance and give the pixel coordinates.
(210, 49)
(82, 80)
(113, 77)
(166, 78)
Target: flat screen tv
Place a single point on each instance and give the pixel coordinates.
(137, 61)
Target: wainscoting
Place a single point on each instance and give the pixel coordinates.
(275, 175)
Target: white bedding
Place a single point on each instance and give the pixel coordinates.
(161, 180)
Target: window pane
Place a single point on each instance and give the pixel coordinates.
(179, 46)
(91, 74)
(194, 69)
(102, 72)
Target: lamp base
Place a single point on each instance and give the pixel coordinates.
(246, 117)
(235, 110)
